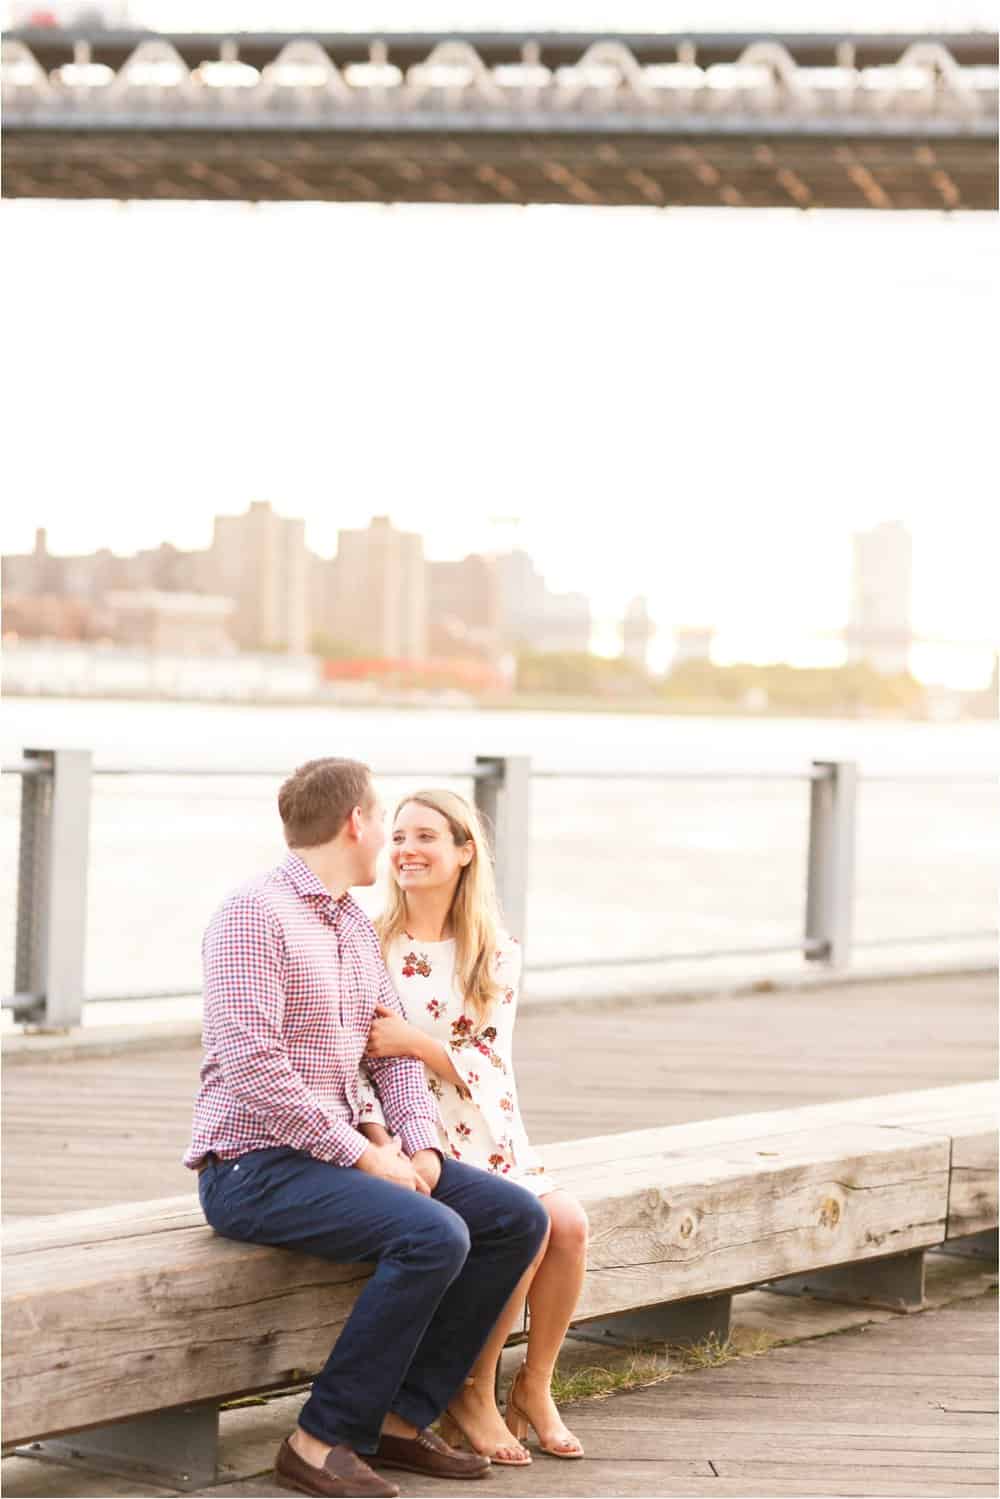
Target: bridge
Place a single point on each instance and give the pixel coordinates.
(737, 120)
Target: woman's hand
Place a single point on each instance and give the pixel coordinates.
(392, 1036)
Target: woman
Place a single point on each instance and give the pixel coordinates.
(457, 973)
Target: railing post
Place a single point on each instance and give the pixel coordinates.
(503, 799)
(830, 889)
(52, 888)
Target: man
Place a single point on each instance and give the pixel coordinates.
(293, 973)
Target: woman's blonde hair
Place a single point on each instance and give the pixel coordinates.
(475, 912)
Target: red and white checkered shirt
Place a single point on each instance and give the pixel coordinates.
(292, 978)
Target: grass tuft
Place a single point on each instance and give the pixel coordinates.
(643, 1365)
(636, 1371)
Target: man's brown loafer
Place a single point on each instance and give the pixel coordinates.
(428, 1453)
(344, 1475)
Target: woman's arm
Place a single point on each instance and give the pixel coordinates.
(392, 1036)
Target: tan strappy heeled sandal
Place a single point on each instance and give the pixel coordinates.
(518, 1422)
(504, 1457)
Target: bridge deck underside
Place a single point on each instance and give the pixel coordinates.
(754, 170)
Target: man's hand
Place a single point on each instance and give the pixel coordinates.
(427, 1164)
(392, 1036)
(389, 1163)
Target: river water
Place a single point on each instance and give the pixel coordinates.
(617, 868)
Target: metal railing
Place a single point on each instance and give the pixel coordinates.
(54, 860)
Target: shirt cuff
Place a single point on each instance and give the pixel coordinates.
(419, 1134)
(347, 1146)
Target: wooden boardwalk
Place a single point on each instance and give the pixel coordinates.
(888, 1405)
(903, 1406)
(91, 1130)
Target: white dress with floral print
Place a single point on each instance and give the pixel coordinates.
(480, 1122)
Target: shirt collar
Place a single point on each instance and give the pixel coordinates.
(306, 884)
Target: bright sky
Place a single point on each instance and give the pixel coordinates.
(695, 405)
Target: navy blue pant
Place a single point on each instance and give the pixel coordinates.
(445, 1267)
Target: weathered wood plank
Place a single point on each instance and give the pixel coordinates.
(921, 1105)
(835, 1470)
(704, 1222)
(89, 1299)
(972, 1201)
(872, 1457)
(211, 1317)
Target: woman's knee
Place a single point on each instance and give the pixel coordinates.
(570, 1229)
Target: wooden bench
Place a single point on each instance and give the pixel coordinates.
(138, 1314)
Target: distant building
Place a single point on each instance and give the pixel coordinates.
(53, 616)
(693, 643)
(463, 608)
(182, 624)
(532, 616)
(92, 575)
(521, 597)
(32, 573)
(379, 592)
(82, 577)
(260, 560)
(637, 632)
(880, 630)
(168, 570)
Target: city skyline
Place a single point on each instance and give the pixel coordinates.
(708, 431)
(382, 594)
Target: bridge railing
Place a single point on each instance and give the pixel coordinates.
(304, 82)
(55, 859)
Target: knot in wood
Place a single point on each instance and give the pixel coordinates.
(829, 1213)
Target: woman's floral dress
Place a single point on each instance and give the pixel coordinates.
(479, 1122)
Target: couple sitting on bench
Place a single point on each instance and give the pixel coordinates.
(358, 1103)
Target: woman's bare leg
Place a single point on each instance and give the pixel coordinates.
(552, 1299)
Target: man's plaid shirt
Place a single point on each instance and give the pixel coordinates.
(292, 978)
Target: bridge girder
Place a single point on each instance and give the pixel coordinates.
(615, 125)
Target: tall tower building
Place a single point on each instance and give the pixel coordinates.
(259, 559)
(637, 632)
(380, 591)
(880, 631)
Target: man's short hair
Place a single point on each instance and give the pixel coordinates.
(319, 797)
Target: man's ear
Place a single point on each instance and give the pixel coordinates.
(355, 825)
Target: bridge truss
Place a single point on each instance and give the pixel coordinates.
(739, 121)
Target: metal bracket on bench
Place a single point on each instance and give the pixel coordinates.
(982, 1246)
(178, 1447)
(677, 1322)
(894, 1281)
